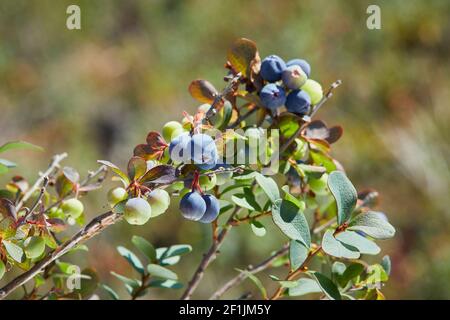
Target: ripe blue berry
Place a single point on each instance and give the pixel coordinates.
(192, 206)
(203, 151)
(212, 209)
(302, 63)
(272, 68)
(298, 101)
(272, 96)
(178, 147)
(294, 77)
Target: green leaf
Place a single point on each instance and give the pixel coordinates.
(167, 284)
(297, 254)
(131, 258)
(7, 163)
(327, 286)
(345, 194)
(322, 159)
(376, 273)
(292, 222)
(111, 292)
(336, 248)
(122, 175)
(338, 268)
(364, 245)
(304, 286)
(161, 272)
(372, 224)
(130, 284)
(241, 201)
(351, 272)
(256, 281)
(386, 264)
(2, 269)
(258, 228)
(288, 196)
(19, 145)
(288, 124)
(251, 199)
(14, 250)
(3, 169)
(34, 247)
(175, 250)
(145, 247)
(269, 186)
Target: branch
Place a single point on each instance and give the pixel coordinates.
(93, 228)
(209, 257)
(229, 88)
(292, 275)
(237, 280)
(53, 165)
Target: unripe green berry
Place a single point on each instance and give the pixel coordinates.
(137, 211)
(72, 208)
(159, 200)
(117, 195)
(314, 90)
(169, 128)
(34, 247)
(176, 133)
(208, 182)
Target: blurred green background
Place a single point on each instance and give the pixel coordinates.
(96, 92)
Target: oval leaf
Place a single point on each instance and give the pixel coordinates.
(137, 167)
(131, 258)
(364, 245)
(145, 247)
(13, 250)
(269, 186)
(202, 91)
(304, 286)
(258, 228)
(292, 222)
(241, 56)
(19, 145)
(345, 194)
(297, 254)
(327, 286)
(161, 272)
(372, 224)
(336, 248)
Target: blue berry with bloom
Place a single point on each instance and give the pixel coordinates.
(272, 96)
(272, 67)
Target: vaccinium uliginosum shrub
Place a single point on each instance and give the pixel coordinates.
(217, 165)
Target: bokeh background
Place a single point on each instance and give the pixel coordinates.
(96, 92)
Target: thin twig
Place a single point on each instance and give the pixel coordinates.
(37, 202)
(209, 257)
(93, 228)
(267, 263)
(218, 98)
(53, 165)
(292, 275)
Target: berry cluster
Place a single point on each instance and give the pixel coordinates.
(138, 211)
(201, 150)
(288, 85)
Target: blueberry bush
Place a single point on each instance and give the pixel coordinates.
(251, 154)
